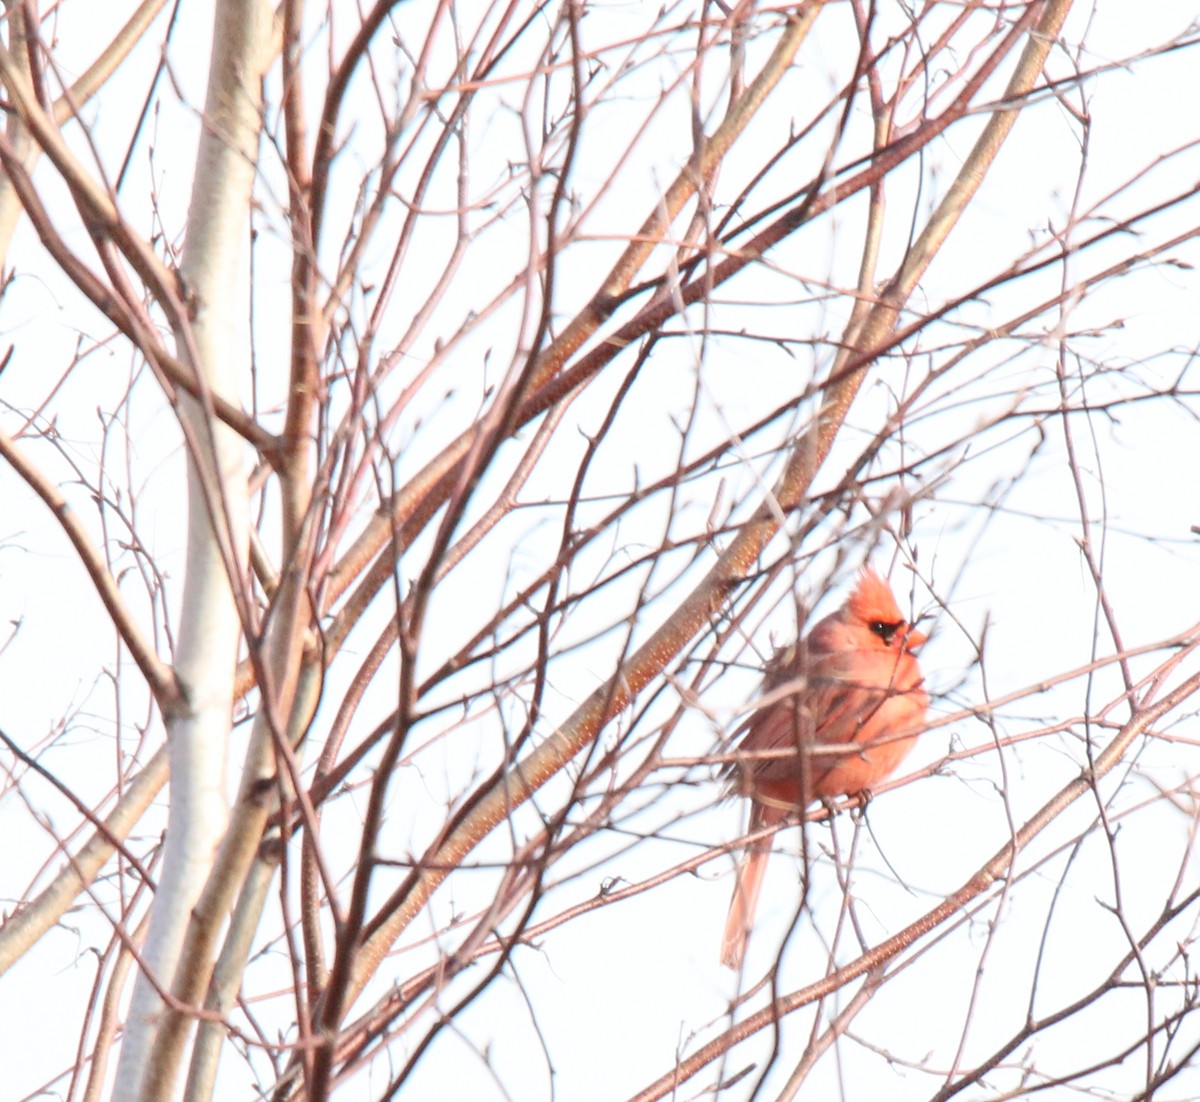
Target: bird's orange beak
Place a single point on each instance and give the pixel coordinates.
(914, 640)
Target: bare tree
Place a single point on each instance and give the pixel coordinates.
(522, 373)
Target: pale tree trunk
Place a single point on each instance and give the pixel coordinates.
(18, 134)
(210, 623)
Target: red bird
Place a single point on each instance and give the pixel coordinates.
(853, 686)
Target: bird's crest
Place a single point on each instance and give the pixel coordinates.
(873, 599)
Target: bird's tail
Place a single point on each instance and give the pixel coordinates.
(746, 889)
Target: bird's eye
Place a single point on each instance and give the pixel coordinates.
(884, 630)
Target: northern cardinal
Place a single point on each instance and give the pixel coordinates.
(853, 683)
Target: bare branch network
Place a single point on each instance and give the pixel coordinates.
(421, 423)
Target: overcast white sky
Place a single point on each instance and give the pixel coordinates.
(608, 1001)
